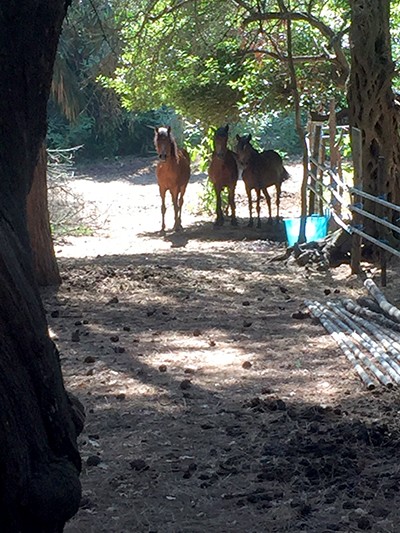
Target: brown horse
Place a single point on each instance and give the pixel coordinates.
(173, 172)
(260, 171)
(223, 172)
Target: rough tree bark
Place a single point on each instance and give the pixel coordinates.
(39, 460)
(371, 100)
(44, 259)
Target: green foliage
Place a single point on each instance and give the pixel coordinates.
(81, 111)
(62, 134)
(272, 131)
(280, 133)
(132, 134)
(59, 230)
(208, 199)
(201, 87)
(205, 87)
(204, 60)
(211, 67)
(201, 152)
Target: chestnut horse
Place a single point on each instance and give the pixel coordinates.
(260, 171)
(223, 172)
(173, 172)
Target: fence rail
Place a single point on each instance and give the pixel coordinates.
(327, 185)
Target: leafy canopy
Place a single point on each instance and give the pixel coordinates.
(216, 61)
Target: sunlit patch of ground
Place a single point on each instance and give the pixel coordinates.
(209, 408)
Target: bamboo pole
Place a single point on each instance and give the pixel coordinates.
(363, 339)
(393, 337)
(356, 339)
(346, 345)
(390, 327)
(390, 346)
(383, 320)
(387, 307)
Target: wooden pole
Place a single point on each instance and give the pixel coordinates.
(357, 163)
(334, 152)
(382, 212)
(315, 141)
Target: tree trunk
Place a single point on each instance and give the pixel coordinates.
(44, 259)
(39, 460)
(371, 100)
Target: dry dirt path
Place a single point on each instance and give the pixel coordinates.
(209, 408)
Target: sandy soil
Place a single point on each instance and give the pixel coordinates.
(210, 409)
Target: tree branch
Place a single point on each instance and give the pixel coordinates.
(285, 58)
(333, 38)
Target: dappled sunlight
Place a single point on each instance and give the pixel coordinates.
(203, 383)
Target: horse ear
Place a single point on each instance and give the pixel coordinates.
(237, 137)
(156, 129)
(169, 130)
(249, 137)
(227, 128)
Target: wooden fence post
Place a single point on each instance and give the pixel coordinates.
(357, 163)
(382, 212)
(315, 140)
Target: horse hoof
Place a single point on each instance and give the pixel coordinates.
(219, 222)
(234, 222)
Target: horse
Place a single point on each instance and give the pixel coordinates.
(173, 172)
(260, 171)
(223, 172)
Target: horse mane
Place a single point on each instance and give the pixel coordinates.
(174, 147)
(253, 150)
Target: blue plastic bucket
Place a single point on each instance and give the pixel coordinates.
(316, 228)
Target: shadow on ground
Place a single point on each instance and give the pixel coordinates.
(209, 407)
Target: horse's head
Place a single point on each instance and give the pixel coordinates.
(244, 150)
(163, 141)
(221, 141)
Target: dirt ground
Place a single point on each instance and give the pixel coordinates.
(210, 409)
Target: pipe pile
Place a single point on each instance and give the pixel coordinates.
(370, 341)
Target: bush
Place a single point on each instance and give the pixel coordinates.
(275, 131)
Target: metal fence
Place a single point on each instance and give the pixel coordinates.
(344, 197)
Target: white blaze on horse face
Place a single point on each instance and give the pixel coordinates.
(162, 142)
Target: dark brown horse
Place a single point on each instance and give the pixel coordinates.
(260, 171)
(223, 172)
(173, 172)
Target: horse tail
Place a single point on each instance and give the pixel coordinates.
(285, 174)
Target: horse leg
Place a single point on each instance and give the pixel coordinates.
(181, 194)
(231, 193)
(278, 200)
(268, 198)
(177, 207)
(258, 208)
(163, 209)
(248, 191)
(220, 217)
